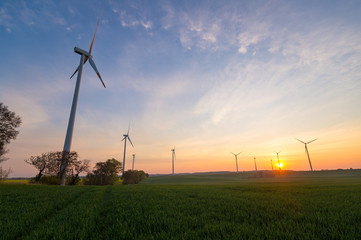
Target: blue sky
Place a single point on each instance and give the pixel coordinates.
(209, 77)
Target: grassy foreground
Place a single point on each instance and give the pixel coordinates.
(222, 206)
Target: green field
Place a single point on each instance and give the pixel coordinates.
(196, 206)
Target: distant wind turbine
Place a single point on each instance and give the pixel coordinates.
(173, 159)
(278, 159)
(271, 164)
(306, 150)
(126, 136)
(133, 161)
(255, 164)
(84, 57)
(235, 156)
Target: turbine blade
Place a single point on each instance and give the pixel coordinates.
(91, 45)
(300, 140)
(123, 139)
(130, 141)
(239, 153)
(312, 141)
(92, 63)
(128, 129)
(233, 153)
(77, 69)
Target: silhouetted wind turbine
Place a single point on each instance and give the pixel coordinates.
(84, 56)
(255, 164)
(278, 159)
(126, 136)
(173, 159)
(306, 150)
(133, 162)
(235, 156)
(271, 164)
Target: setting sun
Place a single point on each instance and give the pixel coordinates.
(280, 165)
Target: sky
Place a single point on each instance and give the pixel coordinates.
(205, 77)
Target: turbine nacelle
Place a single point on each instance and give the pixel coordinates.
(82, 52)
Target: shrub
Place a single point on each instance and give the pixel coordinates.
(73, 180)
(134, 176)
(50, 180)
(99, 179)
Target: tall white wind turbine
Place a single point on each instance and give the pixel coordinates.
(306, 150)
(84, 57)
(235, 156)
(126, 136)
(173, 159)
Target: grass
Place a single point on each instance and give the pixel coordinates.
(197, 206)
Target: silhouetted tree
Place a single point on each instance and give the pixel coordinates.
(104, 173)
(4, 173)
(9, 121)
(49, 164)
(77, 168)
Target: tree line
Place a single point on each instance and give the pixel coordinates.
(48, 164)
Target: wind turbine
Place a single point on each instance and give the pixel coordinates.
(84, 57)
(278, 159)
(255, 164)
(133, 162)
(306, 150)
(235, 155)
(271, 164)
(173, 159)
(126, 136)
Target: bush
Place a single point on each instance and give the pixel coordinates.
(73, 180)
(97, 179)
(134, 176)
(50, 180)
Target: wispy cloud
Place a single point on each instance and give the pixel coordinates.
(129, 20)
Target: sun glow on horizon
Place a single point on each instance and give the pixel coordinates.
(280, 165)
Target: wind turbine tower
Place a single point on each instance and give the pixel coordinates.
(126, 136)
(235, 156)
(255, 164)
(278, 159)
(306, 150)
(272, 164)
(173, 159)
(133, 161)
(84, 57)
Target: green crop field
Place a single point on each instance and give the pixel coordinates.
(196, 206)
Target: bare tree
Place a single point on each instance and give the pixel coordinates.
(49, 163)
(77, 168)
(4, 173)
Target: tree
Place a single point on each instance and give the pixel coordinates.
(49, 164)
(77, 168)
(104, 173)
(4, 173)
(9, 121)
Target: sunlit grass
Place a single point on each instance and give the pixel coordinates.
(218, 206)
